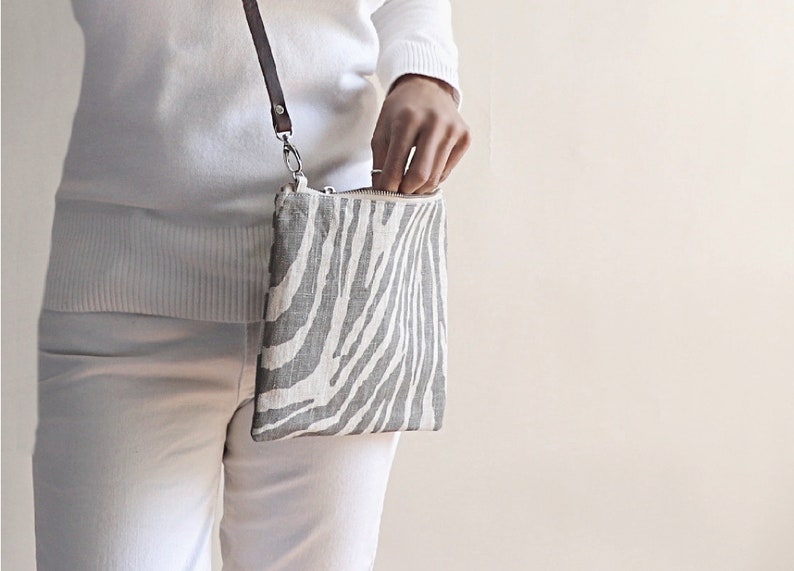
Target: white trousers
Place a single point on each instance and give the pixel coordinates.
(137, 416)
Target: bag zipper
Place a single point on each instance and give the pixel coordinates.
(370, 190)
(301, 185)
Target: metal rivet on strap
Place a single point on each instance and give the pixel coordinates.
(280, 109)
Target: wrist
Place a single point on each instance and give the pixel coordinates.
(419, 77)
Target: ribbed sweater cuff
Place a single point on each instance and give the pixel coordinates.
(424, 59)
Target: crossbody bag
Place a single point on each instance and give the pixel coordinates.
(355, 320)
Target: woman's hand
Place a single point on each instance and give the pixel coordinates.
(418, 111)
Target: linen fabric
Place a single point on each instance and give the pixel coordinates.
(355, 336)
(138, 414)
(169, 180)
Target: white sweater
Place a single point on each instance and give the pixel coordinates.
(166, 197)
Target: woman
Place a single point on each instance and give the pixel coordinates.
(151, 318)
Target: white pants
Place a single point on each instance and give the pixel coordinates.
(137, 414)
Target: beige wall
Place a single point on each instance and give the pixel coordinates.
(622, 289)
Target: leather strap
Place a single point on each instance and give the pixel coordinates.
(282, 123)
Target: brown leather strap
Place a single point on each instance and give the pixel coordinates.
(278, 108)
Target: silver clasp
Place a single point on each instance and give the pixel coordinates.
(290, 153)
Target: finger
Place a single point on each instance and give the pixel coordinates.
(425, 171)
(380, 144)
(401, 141)
(442, 159)
(455, 155)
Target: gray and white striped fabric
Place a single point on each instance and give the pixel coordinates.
(355, 336)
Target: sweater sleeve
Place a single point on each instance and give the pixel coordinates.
(416, 37)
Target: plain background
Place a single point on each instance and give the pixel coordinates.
(621, 290)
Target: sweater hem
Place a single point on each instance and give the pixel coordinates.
(107, 257)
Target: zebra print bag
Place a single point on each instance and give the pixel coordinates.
(355, 320)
